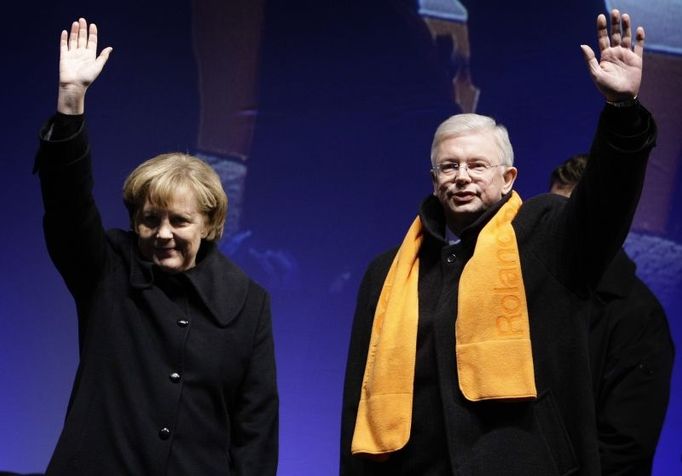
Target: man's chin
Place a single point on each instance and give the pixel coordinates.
(467, 208)
(460, 217)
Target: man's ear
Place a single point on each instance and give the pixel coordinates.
(509, 178)
(434, 181)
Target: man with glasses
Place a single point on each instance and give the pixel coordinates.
(469, 351)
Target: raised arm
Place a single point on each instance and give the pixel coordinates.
(79, 65)
(598, 215)
(618, 72)
(73, 231)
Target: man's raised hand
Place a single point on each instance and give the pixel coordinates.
(618, 72)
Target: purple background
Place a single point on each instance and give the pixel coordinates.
(349, 97)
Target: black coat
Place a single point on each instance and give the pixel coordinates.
(176, 372)
(632, 357)
(564, 248)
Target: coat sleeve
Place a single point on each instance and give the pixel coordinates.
(73, 230)
(255, 422)
(593, 224)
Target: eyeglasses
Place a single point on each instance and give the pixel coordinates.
(474, 168)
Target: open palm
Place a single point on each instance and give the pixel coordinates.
(618, 73)
(79, 64)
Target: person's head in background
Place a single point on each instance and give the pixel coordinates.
(566, 176)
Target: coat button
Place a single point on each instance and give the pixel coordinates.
(174, 377)
(164, 433)
(451, 258)
(182, 323)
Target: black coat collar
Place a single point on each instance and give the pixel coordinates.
(433, 218)
(221, 286)
(618, 277)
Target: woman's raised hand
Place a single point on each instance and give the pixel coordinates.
(79, 65)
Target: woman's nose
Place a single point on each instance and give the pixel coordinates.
(164, 231)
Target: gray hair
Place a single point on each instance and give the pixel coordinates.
(462, 124)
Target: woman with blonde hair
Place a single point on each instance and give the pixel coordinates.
(176, 372)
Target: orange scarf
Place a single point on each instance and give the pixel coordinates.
(493, 348)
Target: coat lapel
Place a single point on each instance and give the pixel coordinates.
(221, 286)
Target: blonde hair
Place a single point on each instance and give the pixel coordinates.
(158, 178)
(461, 124)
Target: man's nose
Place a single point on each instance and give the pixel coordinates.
(462, 175)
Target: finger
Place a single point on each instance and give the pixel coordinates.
(589, 57)
(92, 37)
(73, 37)
(626, 40)
(602, 33)
(82, 33)
(63, 42)
(639, 46)
(615, 28)
(591, 62)
(104, 56)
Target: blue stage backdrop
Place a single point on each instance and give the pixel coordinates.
(319, 117)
